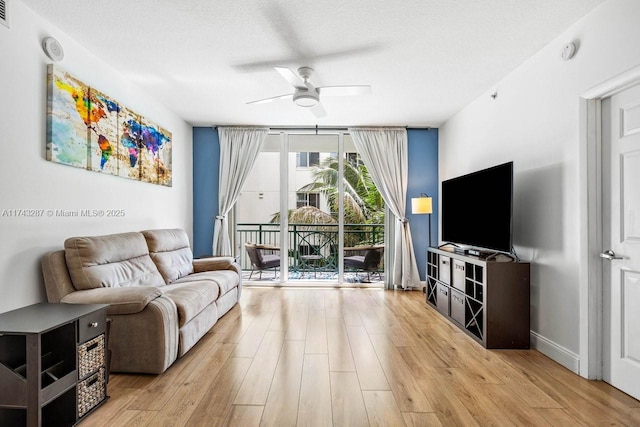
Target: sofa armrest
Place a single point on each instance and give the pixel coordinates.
(213, 263)
(219, 263)
(121, 300)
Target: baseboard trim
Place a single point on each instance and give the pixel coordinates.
(556, 352)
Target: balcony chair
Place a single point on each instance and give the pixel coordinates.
(368, 262)
(261, 261)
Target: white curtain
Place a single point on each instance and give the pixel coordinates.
(239, 148)
(384, 153)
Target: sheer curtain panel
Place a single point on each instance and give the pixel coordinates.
(239, 148)
(384, 153)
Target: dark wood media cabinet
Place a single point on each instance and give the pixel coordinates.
(488, 299)
(53, 364)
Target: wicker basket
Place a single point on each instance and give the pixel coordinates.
(91, 391)
(90, 356)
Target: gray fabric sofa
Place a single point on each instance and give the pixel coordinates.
(161, 300)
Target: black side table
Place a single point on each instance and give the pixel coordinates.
(53, 363)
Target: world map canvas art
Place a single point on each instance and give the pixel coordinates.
(88, 129)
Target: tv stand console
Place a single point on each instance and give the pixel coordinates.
(486, 298)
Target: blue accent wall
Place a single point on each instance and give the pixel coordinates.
(206, 166)
(423, 178)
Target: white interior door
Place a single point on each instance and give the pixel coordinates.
(621, 240)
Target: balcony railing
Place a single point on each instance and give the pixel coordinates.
(308, 243)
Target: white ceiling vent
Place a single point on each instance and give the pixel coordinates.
(4, 13)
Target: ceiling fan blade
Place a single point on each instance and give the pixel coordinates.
(293, 79)
(292, 31)
(310, 59)
(273, 98)
(318, 110)
(344, 90)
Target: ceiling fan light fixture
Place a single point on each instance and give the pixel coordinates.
(306, 98)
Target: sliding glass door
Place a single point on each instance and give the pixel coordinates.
(313, 216)
(310, 203)
(257, 237)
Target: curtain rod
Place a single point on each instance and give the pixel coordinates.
(309, 128)
(330, 128)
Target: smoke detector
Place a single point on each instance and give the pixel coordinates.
(53, 49)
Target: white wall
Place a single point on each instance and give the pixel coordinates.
(28, 181)
(260, 196)
(534, 122)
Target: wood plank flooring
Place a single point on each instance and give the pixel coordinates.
(355, 357)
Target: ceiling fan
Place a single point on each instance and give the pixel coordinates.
(307, 95)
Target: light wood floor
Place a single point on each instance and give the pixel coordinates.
(355, 357)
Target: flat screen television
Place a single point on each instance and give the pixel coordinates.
(477, 208)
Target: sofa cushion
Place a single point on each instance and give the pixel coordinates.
(116, 260)
(171, 252)
(191, 298)
(225, 279)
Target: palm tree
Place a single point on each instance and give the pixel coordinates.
(363, 203)
(306, 215)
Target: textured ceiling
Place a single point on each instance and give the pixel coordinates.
(425, 59)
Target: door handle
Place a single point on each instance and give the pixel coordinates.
(610, 255)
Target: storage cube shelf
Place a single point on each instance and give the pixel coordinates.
(52, 364)
(487, 299)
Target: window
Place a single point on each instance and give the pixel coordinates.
(302, 160)
(305, 159)
(314, 159)
(307, 199)
(353, 158)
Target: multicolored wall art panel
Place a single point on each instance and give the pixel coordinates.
(88, 129)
